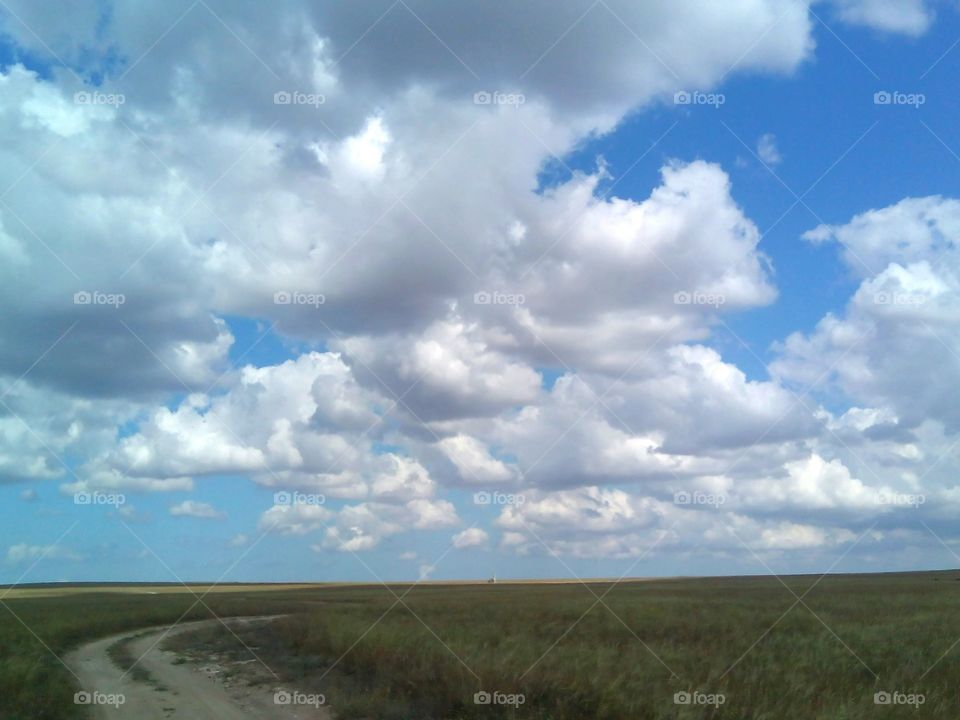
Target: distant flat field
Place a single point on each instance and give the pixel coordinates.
(60, 589)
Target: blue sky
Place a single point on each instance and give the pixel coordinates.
(595, 398)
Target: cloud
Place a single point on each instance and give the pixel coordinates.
(362, 527)
(909, 17)
(402, 479)
(575, 55)
(471, 537)
(895, 344)
(23, 553)
(474, 462)
(298, 403)
(181, 249)
(446, 371)
(193, 508)
(296, 519)
(767, 150)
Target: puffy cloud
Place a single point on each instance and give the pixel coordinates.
(794, 536)
(767, 149)
(897, 342)
(189, 229)
(700, 402)
(906, 233)
(402, 479)
(812, 483)
(474, 462)
(686, 414)
(667, 265)
(445, 371)
(118, 326)
(196, 509)
(295, 416)
(577, 55)
(41, 428)
(362, 527)
(294, 519)
(608, 522)
(471, 537)
(401, 492)
(909, 17)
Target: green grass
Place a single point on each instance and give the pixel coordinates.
(625, 658)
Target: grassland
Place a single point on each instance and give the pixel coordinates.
(569, 655)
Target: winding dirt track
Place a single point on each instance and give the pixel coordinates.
(178, 689)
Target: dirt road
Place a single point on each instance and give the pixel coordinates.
(174, 689)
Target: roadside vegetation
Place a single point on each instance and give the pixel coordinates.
(739, 647)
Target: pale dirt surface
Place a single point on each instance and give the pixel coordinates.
(213, 689)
